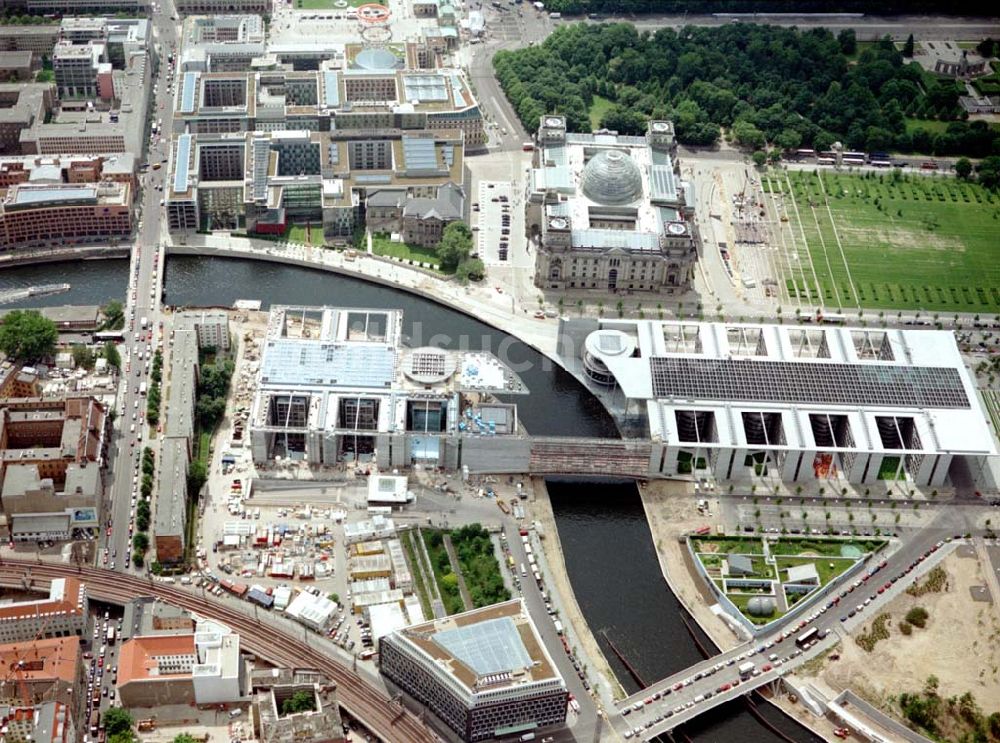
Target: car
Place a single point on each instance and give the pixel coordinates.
(766, 667)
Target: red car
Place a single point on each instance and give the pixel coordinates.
(109, 531)
(767, 667)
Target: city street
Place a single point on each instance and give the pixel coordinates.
(142, 300)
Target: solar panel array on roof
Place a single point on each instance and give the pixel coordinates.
(807, 382)
(489, 647)
(296, 362)
(331, 89)
(182, 163)
(419, 154)
(425, 88)
(456, 92)
(188, 91)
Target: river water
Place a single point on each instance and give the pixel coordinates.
(609, 551)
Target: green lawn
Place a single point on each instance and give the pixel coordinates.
(314, 4)
(416, 565)
(382, 245)
(598, 108)
(889, 241)
(791, 547)
(726, 545)
(305, 234)
(931, 125)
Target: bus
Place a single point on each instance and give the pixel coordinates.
(825, 161)
(832, 319)
(853, 160)
(880, 163)
(109, 336)
(524, 573)
(111, 635)
(855, 155)
(929, 165)
(528, 146)
(805, 153)
(807, 637)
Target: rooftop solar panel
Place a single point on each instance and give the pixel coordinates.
(487, 647)
(807, 382)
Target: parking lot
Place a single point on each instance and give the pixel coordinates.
(498, 222)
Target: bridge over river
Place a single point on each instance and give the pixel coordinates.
(679, 698)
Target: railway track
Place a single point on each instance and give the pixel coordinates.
(388, 719)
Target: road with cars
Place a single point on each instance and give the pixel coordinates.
(833, 613)
(142, 301)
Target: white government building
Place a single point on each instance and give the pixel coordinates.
(797, 403)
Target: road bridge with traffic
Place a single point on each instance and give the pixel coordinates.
(837, 610)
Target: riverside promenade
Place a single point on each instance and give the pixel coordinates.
(489, 302)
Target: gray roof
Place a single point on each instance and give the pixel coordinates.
(740, 564)
(171, 490)
(448, 206)
(85, 479)
(20, 478)
(386, 198)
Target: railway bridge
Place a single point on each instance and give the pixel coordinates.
(388, 719)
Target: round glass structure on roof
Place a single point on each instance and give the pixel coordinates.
(612, 177)
(376, 59)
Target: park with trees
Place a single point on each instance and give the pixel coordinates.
(761, 84)
(27, 336)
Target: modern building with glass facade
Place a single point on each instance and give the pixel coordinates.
(610, 212)
(485, 673)
(794, 403)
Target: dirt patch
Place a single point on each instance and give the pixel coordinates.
(900, 238)
(708, 548)
(957, 645)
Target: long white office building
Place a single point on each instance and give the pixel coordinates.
(795, 403)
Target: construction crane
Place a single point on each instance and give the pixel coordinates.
(18, 667)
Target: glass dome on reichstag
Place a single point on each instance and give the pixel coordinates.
(612, 177)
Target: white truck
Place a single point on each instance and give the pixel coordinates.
(142, 388)
(746, 669)
(143, 322)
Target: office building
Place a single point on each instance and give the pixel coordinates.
(484, 672)
(61, 614)
(214, 7)
(170, 504)
(78, 68)
(22, 106)
(36, 509)
(611, 211)
(21, 65)
(43, 215)
(793, 404)
(88, 7)
(335, 385)
(38, 39)
(221, 43)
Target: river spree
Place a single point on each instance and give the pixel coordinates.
(609, 551)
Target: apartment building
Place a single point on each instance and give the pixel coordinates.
(33, 215)
(64, 612)
(88, 7)
(51, 669)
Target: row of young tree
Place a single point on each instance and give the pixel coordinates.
(782, 86)
(886, 7)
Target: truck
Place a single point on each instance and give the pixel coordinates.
(143, 322)
(746, 669)
(142, 388)
(111, 635)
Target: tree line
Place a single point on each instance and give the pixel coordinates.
(765, 84)
(888, 7)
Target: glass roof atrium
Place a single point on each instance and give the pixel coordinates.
(489, 647)
(612, 178)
